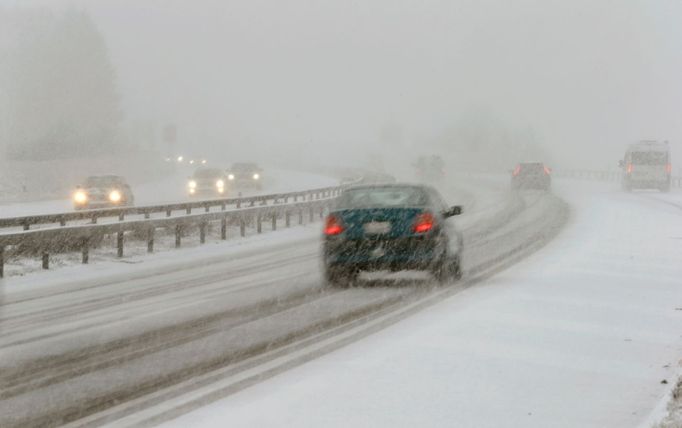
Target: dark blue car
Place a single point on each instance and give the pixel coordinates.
(390, 227)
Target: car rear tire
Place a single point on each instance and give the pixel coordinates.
(340, 277)
(442, 269)
(456, 267)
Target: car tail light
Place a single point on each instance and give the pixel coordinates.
(668, 168)
(547, 170)
(629, 168)
(424, 222)
(333, 226)
(517, 170)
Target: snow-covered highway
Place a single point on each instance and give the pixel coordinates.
(243, 333)
(581, 334)
(79, 347)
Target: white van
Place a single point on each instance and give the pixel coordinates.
(647, 166)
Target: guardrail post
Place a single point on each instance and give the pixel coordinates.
(312, 214)
(259, 225)
(150, 239)
(274, 221)
(46, 260)
(188, 210)
(62, 222)
(223, 207)
(295, 198)
(2, 261)
(168, 213)
(26, 226)
(239, 203)
(178, 233)
(119, 244)
(121, 216)
(202, 232)
(146, 214)
(287, 218)
(85, 251)
(242, 227)
(94, 219)
(207, 208)
(223, 228)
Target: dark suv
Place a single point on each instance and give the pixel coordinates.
(531, 175)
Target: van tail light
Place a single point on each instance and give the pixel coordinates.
(547, 170)
(668, 168)
(517, 170)
(629, 168)
(424, 222)
(333, 226)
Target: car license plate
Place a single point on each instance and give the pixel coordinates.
(377, 228)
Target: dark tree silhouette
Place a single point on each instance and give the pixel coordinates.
(61, 88)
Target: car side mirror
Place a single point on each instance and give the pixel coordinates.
(453, 211)
(621, 163)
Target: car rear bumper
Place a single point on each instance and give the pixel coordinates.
(647, 182)
(395, 255)
(541, 182)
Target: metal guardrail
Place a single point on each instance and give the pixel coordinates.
(65, 238)
(187, 207)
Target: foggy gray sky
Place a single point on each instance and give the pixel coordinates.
(586, 75)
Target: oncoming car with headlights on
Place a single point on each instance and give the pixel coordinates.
(245, 175)
(208, 182)
(103, 191)
(391, 227)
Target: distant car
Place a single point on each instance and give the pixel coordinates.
(646, 165)
(246, 175)
(103, 191)
(208, 182)
(390, 227)
(531, 175)
(429, 168)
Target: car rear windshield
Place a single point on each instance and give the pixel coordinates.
(649, 158)
(382, 197)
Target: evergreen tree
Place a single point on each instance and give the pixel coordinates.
(60, 84)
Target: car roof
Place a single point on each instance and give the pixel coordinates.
(651, 146)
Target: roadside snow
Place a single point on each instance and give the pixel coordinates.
(580, 335)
